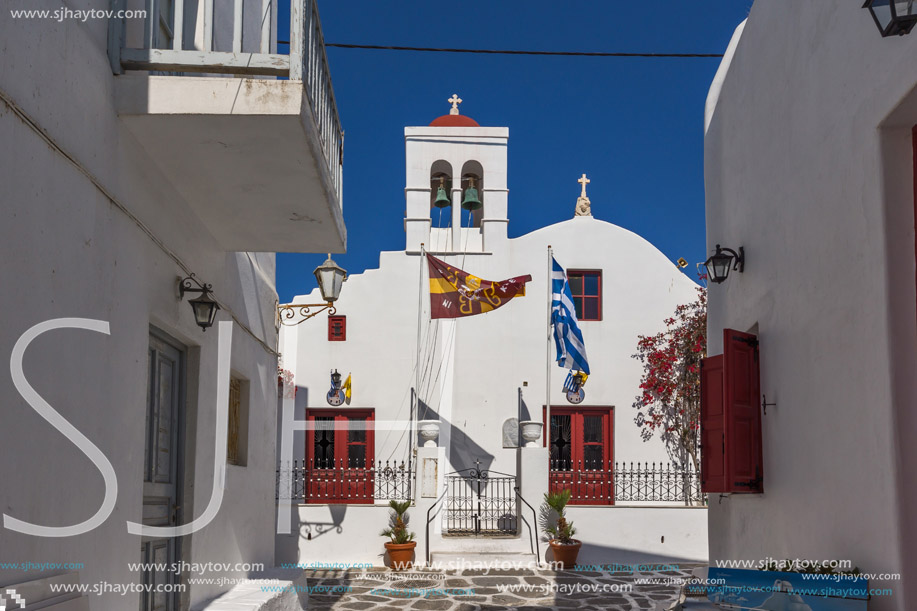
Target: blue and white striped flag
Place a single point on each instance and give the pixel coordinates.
(568, 339)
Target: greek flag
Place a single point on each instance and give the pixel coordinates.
(568, 339)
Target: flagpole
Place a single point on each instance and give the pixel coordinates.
(417, 380)
(547, 383)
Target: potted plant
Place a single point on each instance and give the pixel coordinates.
(402, 544)
(563, 545)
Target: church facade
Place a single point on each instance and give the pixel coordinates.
(431, 408)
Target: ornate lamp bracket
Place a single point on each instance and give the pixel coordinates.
(297, 313)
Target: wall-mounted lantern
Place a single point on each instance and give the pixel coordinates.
(724, 260)
(893, 17)
(330, 277)
(204, 306)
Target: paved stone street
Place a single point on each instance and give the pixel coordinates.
(468, 590)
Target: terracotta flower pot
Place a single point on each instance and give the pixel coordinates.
(401, 554)
(565, 555)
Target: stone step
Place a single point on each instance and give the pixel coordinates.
(512, 545)
(458, 560)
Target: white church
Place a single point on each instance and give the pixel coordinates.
(475, 475)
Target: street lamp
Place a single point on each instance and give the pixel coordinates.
(330, 277)
(204, 306)
(719, 264)
(893, 17)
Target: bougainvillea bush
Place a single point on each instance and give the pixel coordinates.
(669, 399)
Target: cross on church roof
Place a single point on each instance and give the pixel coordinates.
(584, 181)
(455, 101)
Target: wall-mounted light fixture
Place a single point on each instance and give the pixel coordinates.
(725, 259)
(893, 17)
(330, 277)
(204, 306)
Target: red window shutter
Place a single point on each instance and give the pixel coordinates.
(337, 328)
(744, 464)
(713, 426)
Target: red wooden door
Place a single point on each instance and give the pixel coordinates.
(582, 451)
(339, 456)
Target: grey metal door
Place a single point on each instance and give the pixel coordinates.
(162, 472)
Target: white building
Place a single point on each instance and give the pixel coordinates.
(809, 157)
(475, 374)
(117, 183)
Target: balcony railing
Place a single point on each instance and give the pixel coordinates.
(177, 45)
(604, 483)
(340, 482)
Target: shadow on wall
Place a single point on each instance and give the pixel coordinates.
(463, 450)
(524, 413)
(288, 547)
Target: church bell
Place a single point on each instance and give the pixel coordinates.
(471, 201)
(442, 198)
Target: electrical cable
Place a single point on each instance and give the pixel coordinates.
(521, 52)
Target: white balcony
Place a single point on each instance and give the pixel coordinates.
(258, 159)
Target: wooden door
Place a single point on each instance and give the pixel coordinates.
(582, 450)
(165, 416)
(339, 456)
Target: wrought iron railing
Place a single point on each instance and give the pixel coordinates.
(166, 44)
(604, 483)
(343, 482)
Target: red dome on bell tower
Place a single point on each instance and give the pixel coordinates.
(454, 119)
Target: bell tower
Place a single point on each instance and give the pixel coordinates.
(455, 185)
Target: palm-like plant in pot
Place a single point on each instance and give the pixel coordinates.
(561, 531)
(401, 546)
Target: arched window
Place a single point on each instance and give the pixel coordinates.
(441, 194)
(472, 194)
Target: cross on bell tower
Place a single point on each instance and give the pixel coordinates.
(455, 101)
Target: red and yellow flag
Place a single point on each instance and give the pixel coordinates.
(455, 293)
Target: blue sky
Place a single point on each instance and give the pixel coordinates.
(635, 126)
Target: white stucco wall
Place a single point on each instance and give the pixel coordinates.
(634, 535)
(68, 252)
(809, 166)
(474, 368)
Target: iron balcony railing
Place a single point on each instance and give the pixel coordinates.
(604, 483)
(345, 481)
(172, 41)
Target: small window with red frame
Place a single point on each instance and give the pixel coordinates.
(586, 290)
(337, 328)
